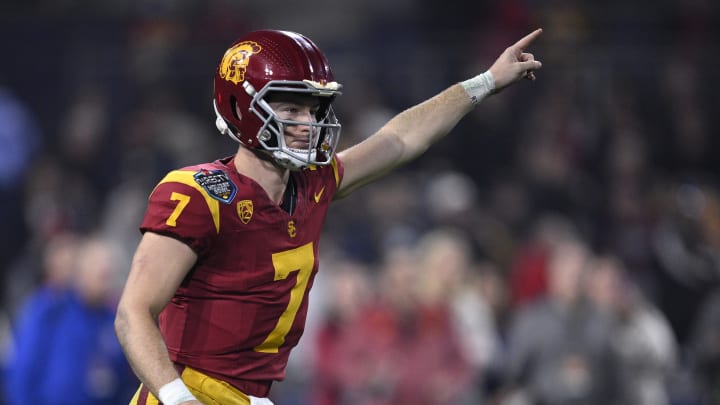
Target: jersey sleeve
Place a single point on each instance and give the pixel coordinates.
(178, 207)
(332, 174)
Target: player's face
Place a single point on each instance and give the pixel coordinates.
(296, 107)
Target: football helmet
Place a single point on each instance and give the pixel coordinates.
(267, 61)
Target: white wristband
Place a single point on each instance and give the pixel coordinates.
(479, 86)
(175, 392)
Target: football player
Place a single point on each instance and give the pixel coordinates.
(217, 294)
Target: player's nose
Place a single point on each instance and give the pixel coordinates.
(305, 120)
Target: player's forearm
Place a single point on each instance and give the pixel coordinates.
(144, 348)
(403, 138)
(424, 124)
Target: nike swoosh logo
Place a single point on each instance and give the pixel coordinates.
(319, 194)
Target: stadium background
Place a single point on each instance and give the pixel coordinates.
(617, 139)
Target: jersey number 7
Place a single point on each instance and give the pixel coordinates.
(302, 261)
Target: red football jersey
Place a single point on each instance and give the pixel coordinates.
(242, 307)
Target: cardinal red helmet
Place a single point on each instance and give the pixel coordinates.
(268, 61)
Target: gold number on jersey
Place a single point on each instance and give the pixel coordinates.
(300, 260)
(183, 201)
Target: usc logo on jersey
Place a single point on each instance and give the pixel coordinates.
(245, 211)
(236, 59)
(292, 230)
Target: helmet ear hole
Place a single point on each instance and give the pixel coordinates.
(235, 108)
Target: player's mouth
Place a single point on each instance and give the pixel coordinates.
(299, 143)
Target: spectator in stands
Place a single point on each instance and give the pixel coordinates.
(641, 335)
(74, 357)
(560, 348)
(38, 319)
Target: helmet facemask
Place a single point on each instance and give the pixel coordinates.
(324, 130)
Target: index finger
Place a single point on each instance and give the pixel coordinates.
(525, 41)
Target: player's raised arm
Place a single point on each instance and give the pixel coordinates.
(411, 132)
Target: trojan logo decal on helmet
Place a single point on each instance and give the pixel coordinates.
(236, 59)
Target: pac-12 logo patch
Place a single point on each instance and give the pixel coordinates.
(245, 210)
(217, 184)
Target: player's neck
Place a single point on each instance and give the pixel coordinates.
(272, 178)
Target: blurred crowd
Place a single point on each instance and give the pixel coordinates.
(561, 246)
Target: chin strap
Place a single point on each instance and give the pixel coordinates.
(291, 162)
(280, 158)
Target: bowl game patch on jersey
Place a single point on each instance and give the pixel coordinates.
(217, 184)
